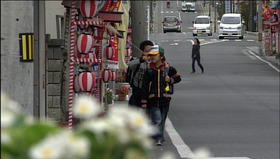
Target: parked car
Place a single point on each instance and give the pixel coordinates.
(202, 25)
(231, 25)
(171, 23)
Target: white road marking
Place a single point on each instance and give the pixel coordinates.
(225, 40)
(275, 68)
(167, 12)
(161, 11)
(237, 40)
(178, 142)
(174, 44)
(245, 52)
(171, 11)
(183, 149)
(250, 40)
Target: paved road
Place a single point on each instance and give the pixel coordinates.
(233, 108)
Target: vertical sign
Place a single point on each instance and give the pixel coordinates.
(26, 44)
(227, 6)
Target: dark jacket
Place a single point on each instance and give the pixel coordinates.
(135, 72)
(154, 81)
(196, 51)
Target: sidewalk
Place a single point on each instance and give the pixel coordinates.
(272, 59)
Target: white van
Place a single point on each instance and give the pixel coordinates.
(202, 25)
(231, 25)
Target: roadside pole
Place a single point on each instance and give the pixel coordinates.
(39, 101)
(260, 27)
(215, 21)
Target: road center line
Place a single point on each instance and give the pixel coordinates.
(275, 68)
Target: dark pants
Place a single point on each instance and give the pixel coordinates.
(198, 62)
(135, 99)
(158, 114)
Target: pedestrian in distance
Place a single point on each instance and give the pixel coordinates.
(157, 90)
(136, 71)
(168, 3)
(196, 55)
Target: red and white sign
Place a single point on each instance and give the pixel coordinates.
(109, 52)
(89, 8)
(106, 75)
(84, 43)
(127, 52)
(86, 81)
(114, 75)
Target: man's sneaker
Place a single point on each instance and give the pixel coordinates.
(158, 143)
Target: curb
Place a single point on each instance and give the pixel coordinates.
(275, 62)
(252, 33)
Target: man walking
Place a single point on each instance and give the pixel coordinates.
(135, 73)
(157, 89)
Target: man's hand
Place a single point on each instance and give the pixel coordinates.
(144, 106)
(146, 58)
(167, 79)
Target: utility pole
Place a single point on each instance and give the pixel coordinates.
(260, 27)
(39, 102)
(250, 16)
(209, 9)
(215, 21)
(138, 24)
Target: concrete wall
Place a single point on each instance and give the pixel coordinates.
(53, 8)
(16, 76)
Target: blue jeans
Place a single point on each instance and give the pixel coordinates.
(158, 117)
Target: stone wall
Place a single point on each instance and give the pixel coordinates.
(55, 79)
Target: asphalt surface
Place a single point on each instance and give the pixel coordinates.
(233, 108)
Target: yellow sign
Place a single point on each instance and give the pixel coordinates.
(26, 44)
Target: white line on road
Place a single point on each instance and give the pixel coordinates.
(250, 40)
(182, 148)
(237, 40)
(167, 12)
(245, 52)
(174, 44)
(275, 68)
(171, 11)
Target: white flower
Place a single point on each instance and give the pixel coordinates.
(51, 147)
(86, 107)
(9, 105)
(123, 135)
(140, 123)
(168, 155)
(118, 116)
(7, 119)
(98, 126)
(202, 153)
(77, 146)
(144, 140)
(47, 149)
